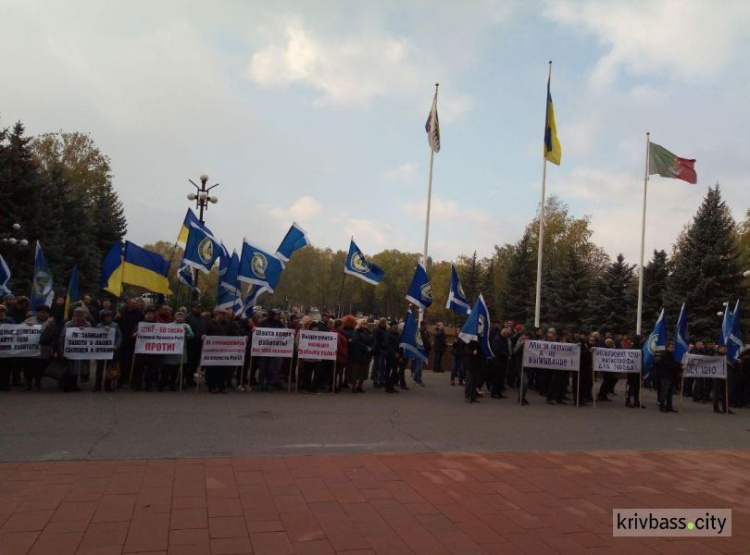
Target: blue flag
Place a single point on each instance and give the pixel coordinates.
(411, 339)
(357, 265)
(259, 267)
(190, 218)
(4, 277)
(457, 298)
(681, 336)
(726, 325)
(656, 342)
(229, 294)
(202, 249)
(735, 344)
(186, 277)
(420, 292)
(74, 293)
(42, 291)
(246, 311)
(111, 277)
(295, 239)
(477, 327)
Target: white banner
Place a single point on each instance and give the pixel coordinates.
(19, 340)
(220, 350)
(317, 345)
(89, 343)
(551, 356)
(159, 339)
(273, 342)
(702, 366)
(628, 361)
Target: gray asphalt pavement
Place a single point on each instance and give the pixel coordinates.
(55, 426)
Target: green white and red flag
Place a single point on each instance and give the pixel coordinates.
(664, 163)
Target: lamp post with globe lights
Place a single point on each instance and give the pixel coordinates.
(202, 200)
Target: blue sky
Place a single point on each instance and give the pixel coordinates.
(315, 111)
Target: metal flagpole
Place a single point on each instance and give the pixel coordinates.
(429, 200)
(643, 243)
(538, 305)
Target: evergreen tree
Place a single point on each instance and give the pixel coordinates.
(707, 269)
(487, 287)
(470, 275)
(615, 301)
(655, 278)
(572, 290)
(516, 300)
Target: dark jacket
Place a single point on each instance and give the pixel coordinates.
(440, 342)
(379, 337)
(198, 324)
(392, 342)
(360, 346)
(224, 328)
(666, 367)
(271, 323)
(425, 335)
(129, 320)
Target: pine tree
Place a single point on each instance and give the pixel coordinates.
(655, 278)
(471, 277)
(707, 269)
(487, 286)
(572, 290)
(516, 300)
(615, 301)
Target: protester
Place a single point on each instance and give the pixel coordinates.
(75, 367)
(105, 322)
(440, 343)
(360, 353)
(170, 364)
(47, 346)
(393, 357)
(128, 323)
(269, 375)
(216, 376)
(667, 371)
(146, 366)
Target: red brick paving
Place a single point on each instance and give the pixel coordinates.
(535, 503)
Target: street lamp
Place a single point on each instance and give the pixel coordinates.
(202, 199)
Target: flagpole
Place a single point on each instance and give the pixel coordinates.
(429, 201)
(538, 304)
(639, 317)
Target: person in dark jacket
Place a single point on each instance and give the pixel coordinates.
(360, 353)
(501, 347)
(147, 367)
(47, 345)
(269, 370)
(393, 357)
(379, 367)
(458, 368)
(219, 325)
(474, 362)
(667, 370)
(342, 355)
(440, 343)
(129, 320)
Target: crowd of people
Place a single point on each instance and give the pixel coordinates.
(366, 351)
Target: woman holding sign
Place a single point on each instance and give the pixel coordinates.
(75, 367)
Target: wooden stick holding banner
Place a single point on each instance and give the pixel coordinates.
(682, 391)
(523, 364)
(726, 394)
(578, 389)
(333, 378)
(182, 363)
(296, 383)
(132, 366)
(593, 382)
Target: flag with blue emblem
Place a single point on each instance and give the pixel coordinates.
(74, 293)
(295, 239)
(681, 336)
(477, 327)
(357, 265)
(42, 290)
(190, 218)
(726, 324)
(420, 291)
(456, 297)
(111, 276)
(229, 294)
(259, 267)
(186, 277)
(4, 277)
(655, 343)
(251, 297)
(735, 344)
(202, 249)
(411, 339)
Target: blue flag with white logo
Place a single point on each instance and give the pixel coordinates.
(735, 344)
(202, 249)
(656, 342)
(229, 294)
(456, 297)
(42, 291)
(420, 292)
(259, 267)
(251, 297)
(357, 265)
(681, 336)
(726, 325)
(186, 277)
(295, 239)
(4, 277)
(411, 339)
(477, 327)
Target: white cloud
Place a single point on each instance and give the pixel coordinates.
(404, 173)
(304, 209)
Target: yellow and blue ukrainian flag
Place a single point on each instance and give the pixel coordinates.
(74, 293)
(111, 276)
(145, 269)
(190, 218)
(552, 149)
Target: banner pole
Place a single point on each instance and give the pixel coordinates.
(182, 357)
(333, 378)
(132, 366)
(593, 382)
(578, 389)
(682, 391)
(296, 384)
(639, 315)
(726, 394)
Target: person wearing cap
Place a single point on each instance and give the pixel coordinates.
(47, 343)
(75, 367)
(170, 364)
(392, 356)
(105, 322)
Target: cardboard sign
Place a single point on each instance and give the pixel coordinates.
(220, 350)
(628, 361)
(20, 340)
(551, 356)
(89, 343)
(273, 342)
(702, 366)
(159, 339)
(317, 345)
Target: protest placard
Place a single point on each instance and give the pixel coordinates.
(702, 366)
(159, 339)
(221, 350)
(317, 345)
(272, 342)
(551, 356)
(89, 343)
(628, 361)
(19, 340)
